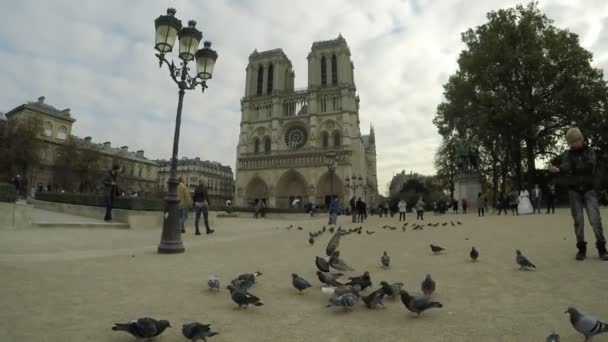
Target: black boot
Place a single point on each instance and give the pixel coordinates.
(601, 249)
(582, 250)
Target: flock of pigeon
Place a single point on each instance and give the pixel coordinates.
(346, 294)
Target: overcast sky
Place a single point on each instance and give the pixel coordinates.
(97, 58)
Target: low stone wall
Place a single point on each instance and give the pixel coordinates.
(15, 216)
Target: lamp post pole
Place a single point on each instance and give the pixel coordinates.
(168, 28)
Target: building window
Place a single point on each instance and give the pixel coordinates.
(269, 76)
(334, 70)
(62, 133)
(48, 129)
(267, 144)
(325, 139)
(323, 104)
(260, 80)
(256, 145)
(323, 71)
(337, 139)
(335, 103)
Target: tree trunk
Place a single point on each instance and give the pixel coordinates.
(517, 159)
(530, 145)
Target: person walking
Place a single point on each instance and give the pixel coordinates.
(201, 206)
(420, 209)
(110, 191)
(536, 198)
(578, 169)
(183, 195)
(464, 206)
(353, 208)
(454, 206)
(502, 203)
(402, 209)
(334, 210)
(386, 207)
(481, 203)
(360, 210)
(551, 198)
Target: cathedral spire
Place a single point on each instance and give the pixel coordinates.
(372, 135)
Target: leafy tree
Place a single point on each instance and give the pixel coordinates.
(78, 167)
(19, 145)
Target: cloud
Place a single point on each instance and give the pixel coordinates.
(97, 58)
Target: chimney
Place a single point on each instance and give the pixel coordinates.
(140, 153)
(87, 140)
(124, 149)
(41, 99)
(107, 145)
(66, 111)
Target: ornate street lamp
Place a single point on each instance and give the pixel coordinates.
(354, 181)
(168, 29)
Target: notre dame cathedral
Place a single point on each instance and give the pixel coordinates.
(303, 144)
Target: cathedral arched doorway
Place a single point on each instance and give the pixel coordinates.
(257, 190)
(326, 183)
(291, 187)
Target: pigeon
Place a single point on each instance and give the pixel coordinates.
(299, 283)
(332, 245)
(242, 297)
(347, 300)
(428, 285)
(368, 232)
(459, 223)
(340, 290)
(322, 264)
(339, 264)
(437, 249)
(391, 290)
(418, 304)
(245, 280)
(586, 325)
(385, 260)
(196, 331)
(444, 224)
(392, 228)
(405, 224)
(328, 278)
(553, 338)
(474, 254)
(331, 230)
(300, 228)
(145, 327)
(214, 282)
(452, 222)
(363, 280)
(323, 229)
(374, 299)
(522, 261)
(311, 241)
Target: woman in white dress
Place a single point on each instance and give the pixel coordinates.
(525, 206)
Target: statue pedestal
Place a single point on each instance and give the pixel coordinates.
(467, 186)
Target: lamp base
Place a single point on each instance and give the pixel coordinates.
(171, 247)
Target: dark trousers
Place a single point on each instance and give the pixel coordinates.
(419, 214)
(197, 216)
(580, 201)
(361, 216)
(481, 212)
(464, 210)
(536, 202)
(108, 202)
(514, 209)
(502, 208)
(402, 215)
(550, 205)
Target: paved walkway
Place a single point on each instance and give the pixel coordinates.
(41, 215)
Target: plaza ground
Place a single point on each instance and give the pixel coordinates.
(62, 284)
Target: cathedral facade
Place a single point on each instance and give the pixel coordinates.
(303, 144)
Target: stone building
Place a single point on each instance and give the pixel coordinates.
(218, 178)
(286, 133)
(138, 173)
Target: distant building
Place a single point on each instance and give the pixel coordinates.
(138, 174)
(217, 177)
(399, 181)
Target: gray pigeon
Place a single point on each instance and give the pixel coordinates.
(363, 280)
(214, 282)
(418, 304)
(299, 283)
(436, 249)
(242, 297)
(245, 280)
(522, 261)
(428, 285)
(311, 240)
(474, 254)
(145, 327)
(347, 300)
(586, 325)
(332, 245)
(391, 290)
(553, 338)
(328, 278)
(196, 331)
(322, 264)
(385, 260)
(339, 264)
(374, 299)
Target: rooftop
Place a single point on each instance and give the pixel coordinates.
(269, 53)
(42, 107)
(332, 42)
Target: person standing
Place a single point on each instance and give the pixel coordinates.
(480, 205)
(536, 198)
(514, 201)
(360, 210)
(464, 206)
(455, 206)
(201, 206)
(386, 209)
(578, 169)
(110, 191)
(402, 209)
(183, 195)
(551, 198)
(502, 203)
(334, 210)
(353, 208)
(420, 209)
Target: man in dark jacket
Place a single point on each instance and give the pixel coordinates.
(577, 169)
(201, 206)
(353, 208)
(110, 190)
